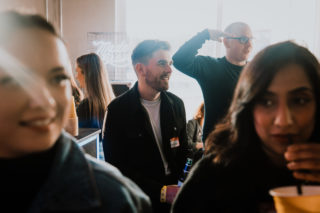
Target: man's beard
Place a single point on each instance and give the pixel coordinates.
(157, 84)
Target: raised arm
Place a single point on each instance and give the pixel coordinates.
(186, 59)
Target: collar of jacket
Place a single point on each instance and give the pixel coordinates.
(168, 116)
(136, 97)
(71, 185)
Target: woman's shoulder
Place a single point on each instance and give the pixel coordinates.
(109, 178)
(97, 178)
(83, 109)
(204, 187)
(210, 166)
(84, 103)
(205, 165)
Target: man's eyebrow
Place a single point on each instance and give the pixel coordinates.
(161, 61)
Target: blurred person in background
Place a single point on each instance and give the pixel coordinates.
(269, 138)
(194, 133)
(43, 170)
(93, 79)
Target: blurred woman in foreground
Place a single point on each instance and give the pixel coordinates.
(269, 138)
(42, 170)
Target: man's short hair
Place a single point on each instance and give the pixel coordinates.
(235, 27)
(144, 50)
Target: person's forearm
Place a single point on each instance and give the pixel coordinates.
(184, 57)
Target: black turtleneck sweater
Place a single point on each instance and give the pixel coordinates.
(21, 179)
(216, 76)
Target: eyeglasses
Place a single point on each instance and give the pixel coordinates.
(242, 39)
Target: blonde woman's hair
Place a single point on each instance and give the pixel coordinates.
(97, 89)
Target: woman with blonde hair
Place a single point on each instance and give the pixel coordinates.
(93, 79)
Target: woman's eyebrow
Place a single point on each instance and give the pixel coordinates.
(57, 69)
(301, 89)
(5, 79)
(268, 93)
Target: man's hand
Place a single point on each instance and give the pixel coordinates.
(199, 145)
(304, 161)
(217, 35)
(168, 193)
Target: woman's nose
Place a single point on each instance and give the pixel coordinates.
(42, 98)
(283, 116)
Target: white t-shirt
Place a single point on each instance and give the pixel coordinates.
(153, 109)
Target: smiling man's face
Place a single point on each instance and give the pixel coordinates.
(158, 70)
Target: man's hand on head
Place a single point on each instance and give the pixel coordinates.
(217, 35)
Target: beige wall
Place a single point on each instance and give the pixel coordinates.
(34, 6)
(83, 16)
(75, 18)
(121, 14)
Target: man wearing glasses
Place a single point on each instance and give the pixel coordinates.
(217, 76)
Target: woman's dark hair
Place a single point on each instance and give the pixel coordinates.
(97, 89)
(236, 133)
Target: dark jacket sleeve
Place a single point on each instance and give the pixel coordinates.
(186, 59)
(126, 197)
(191, 131)
(111, 146)
(115, 154)
(186, 147)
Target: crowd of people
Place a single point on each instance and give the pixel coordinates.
(257, 128)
